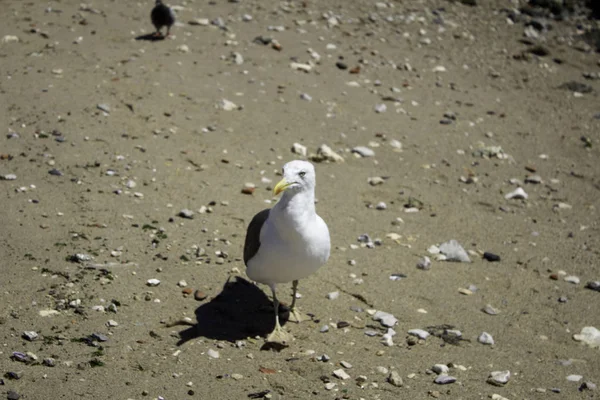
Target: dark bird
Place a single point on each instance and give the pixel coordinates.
(162, 15)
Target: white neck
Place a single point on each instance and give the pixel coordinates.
(297, 207)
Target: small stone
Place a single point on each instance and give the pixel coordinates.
(49, 362)
(185, 213)
(440, 369)
(103, 107)
(574, 378)
(111, 323)
(30, 335)
(380, 108)
(395, 379)
(381, 206)
(99, 337)
(363, 151)
(341, 374)
(420, 333)
(153, 282)
(518, 193)
(299, 149)
(227, 105)
(237, 58)
(325, 153)
(386, 319)
(324, 329)
(330, 385)
(8, 177)
(183, 48)
(341, 65)
(333, 295)
(588, 335)
(200, 22)
(572, 279)
(424, 263)
(248, 188)
(488, 309)
(593, 285)
(55, 172)
(491, 257)
(200, 295)
(212, 353)
(454, 251)
(587, 386)
(464, 291)
(485, 338)
(345, 364)
(306, 97)
(182, 283)
(444, 379)
(11, 394)
(499, 378)
(376, 180)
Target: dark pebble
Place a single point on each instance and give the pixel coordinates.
(14, 375)
(342, 324)
(491, 257)
(99, 337)
(55, 172)
(445, 121)
(575, 86)
(12, 395)
(593, 285)
(341, 65)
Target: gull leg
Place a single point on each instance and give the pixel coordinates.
(295, 315)
(279, 335)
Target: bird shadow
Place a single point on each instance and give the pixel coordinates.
(240, 311)
(151, 37)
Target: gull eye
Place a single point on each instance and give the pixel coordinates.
(302, 174)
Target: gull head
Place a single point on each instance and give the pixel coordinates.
(298, 176)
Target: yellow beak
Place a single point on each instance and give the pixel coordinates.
(281, 186)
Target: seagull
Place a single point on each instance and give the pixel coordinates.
(289, 241)
(162, 15)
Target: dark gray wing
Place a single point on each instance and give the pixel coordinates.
(252, 243)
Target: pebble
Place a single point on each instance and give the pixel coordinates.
(325, 153)
(593, 285)
(11, 394)
(444, 379)
(488, 309)
(103, 107)
(55, 172)
(341, 374)
(572, 279)
(518, 193)
(185, 213)
(248, 188)
(111, 323)
(8, 177)
(588, 335)
(182, 283)
(227, 105)
(330, 385)
(376, 180)
(499, 378)
(345, 364)
(424, 263)
(200, 22)
(324, 329)
(381, 206)
(200, 295)
(380, 108)
(395, 379)
(30, 335)
(420, 333)
(485, 338)
(306, 97)
(386, 319)
(440, 369)
(587, 386)
(491, 257)
(213, 353)
(363, 151)
(153, 282)
(574, 378)
(333, 295)
(299, 149)
(183, 48)
(454, 251)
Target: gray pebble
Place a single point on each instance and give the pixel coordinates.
(30, 335)
(371, 333)
(440, 369)
(324, 328)
(420, 333)
(395, 379)
(593, 285)
(488, 309)
(386, 319)
(55, 172)
(485, 338)
(444, 379)
(104, 107)
(499, 378)
(424, 263)
(100, 337)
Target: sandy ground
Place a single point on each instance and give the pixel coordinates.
(122, 175)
